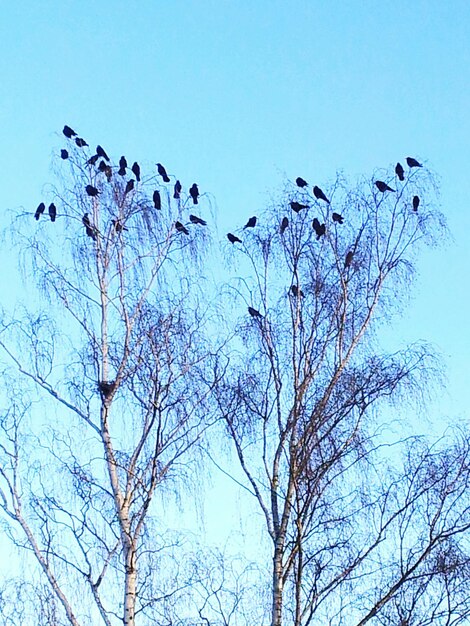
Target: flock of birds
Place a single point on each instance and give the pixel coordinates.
(104, 167)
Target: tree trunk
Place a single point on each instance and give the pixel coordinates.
(130, 586)
(277, 589)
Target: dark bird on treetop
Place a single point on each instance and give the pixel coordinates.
(39, 211)
(129, 186)
(253, 312)
(136, 170)
(81, 143)
(122, 166)
(69, 132)
(415, 203)
(320, 229)
(251, 223)
(52, 212)
(383, 187)
(118, 227)
(284, 225)
(197, 220)
(162, 171)
(180, 228)
(101, 153)
(233, 238)
(177, 190)
(91, 191)
(297, 292)
(92, 160)
(296, 206)
(348, 259)
(413, 162)
(157, 200)
(90, 231)
(399, 171)
(106, 169)
(102, 166)
(194, 193)
(64, 154)
(319, 195)
(338, 218)
(301, 182)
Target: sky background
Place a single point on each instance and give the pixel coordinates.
(237, 95)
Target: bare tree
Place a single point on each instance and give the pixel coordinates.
(351, 532)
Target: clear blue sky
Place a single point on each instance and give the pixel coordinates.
(234, 95)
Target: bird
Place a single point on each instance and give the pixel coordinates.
(348, 259)
(320, 229)
(136, 170)
(129, 186)
(69, 132)
(102, 166)
(177, 190)
(52, 211)
(383, 187)
(181, 228)
(338, 218)
(284, 225)
(297, 206)
(233, 238)
(399, 171)
(118, 227)
(101, 153)
(413, 162)
(251, 223)
(81, 143)
(162, 171)
(297, 292)
(415, 203)
(197, 220)
(194, 193)
(319, 195)
(253, 312)
(108, 172)
(90, 231)
(39, 211)
(92, 160)
(122, 166)
(157, 200)
(301, 182)
(64, 154)
(91, 191)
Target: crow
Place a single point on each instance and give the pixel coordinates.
(338, 218)
(181, 229)
(81, 143)
(348, 259)
(296, 206)
(413, 162)
(383, 187)
(319, 195)
(92, 160)
(122, 166)
(194, 193)
(90, 231)
(301, 182)
(69, 132)
(253, 312)
(52, 212)
(320, 229)
(101, 153)
(106, 169)
(64, 154)
(415, 203)
(284, 225)
(102, 166)
(295, 291)
(91, 191)
(233, 238)
(177, 190)
(399, 171)
(39, 211)
(157, 200)
(129, 186)
(136, 170)
(197, 220)
(251, 223)
(118, 227)
(162, 171)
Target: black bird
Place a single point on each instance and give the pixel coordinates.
(136, 170)
(106, 169)
(92, 160)
(177, 190)
(348, 259)
(102, 166)
(319, 195)
(233, 238)
(122, 166)
(129, 186)
(284, 225)
(251, 223)
(415, 203)
(320, 229)
(157, 200)
(39, 211)
(383, 187)
(162, 171)
(64, 154)
(91, 191)
(338, 218)
(194, 193)
(296, 206)
(90, 231)
(413, 162)
(118, 227)
(253, 312)
(297, 292)
(101, 153)
(301, 182)
(52, 212)
(197, 220)
(69, 132)
(81, 143)
(181, 229)
(399, 171)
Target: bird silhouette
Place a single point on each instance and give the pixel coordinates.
(233, 238)
(301, 182)
(157, 200)
(122, 166)
(129, 186)
(295, 291)
(69, 132)
(102, 166)
(39, 211)
(101, 153)
(338, 218)
(197, 220)
(91, 191)
(253, 312)
(413, 162)
(348, 259)
(194, 193)
(136, 170)
(118, 227)
(284, 225)
(251, 223)
(162, 171)
(399, 171)
(177, 190)
(81, 143)
(383, 187)
(415, 203)
(93, 159)
(297, 206)
(181, 228)
(52, 212)
(108, 173)
(320, 229)
(64, 154)
(90, 231)
(319, 195)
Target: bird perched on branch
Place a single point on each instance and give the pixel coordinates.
(101, 153)
(297, 206)
(69, 132)
(129, 186)
(284, 225)
(319, 195)
(93, 159)
(162, 171)
(81, 143)
(90, 231)
(177, 190)
(413, 162)
(383, 187)
(295, 291)
(400, 172)
(253, 312)
(118, 227)
(136, 170)
(181, 228)
(157, 200)
(194, 193)
(194, 219)
(64, 154)
(348, 259)
(91, 191)
(251, 223)
(52, 212)
(39, 211)
(233, 238)
(338, 218)
(122, 166)
(415, 203)
(320, 229)
(301, 182)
